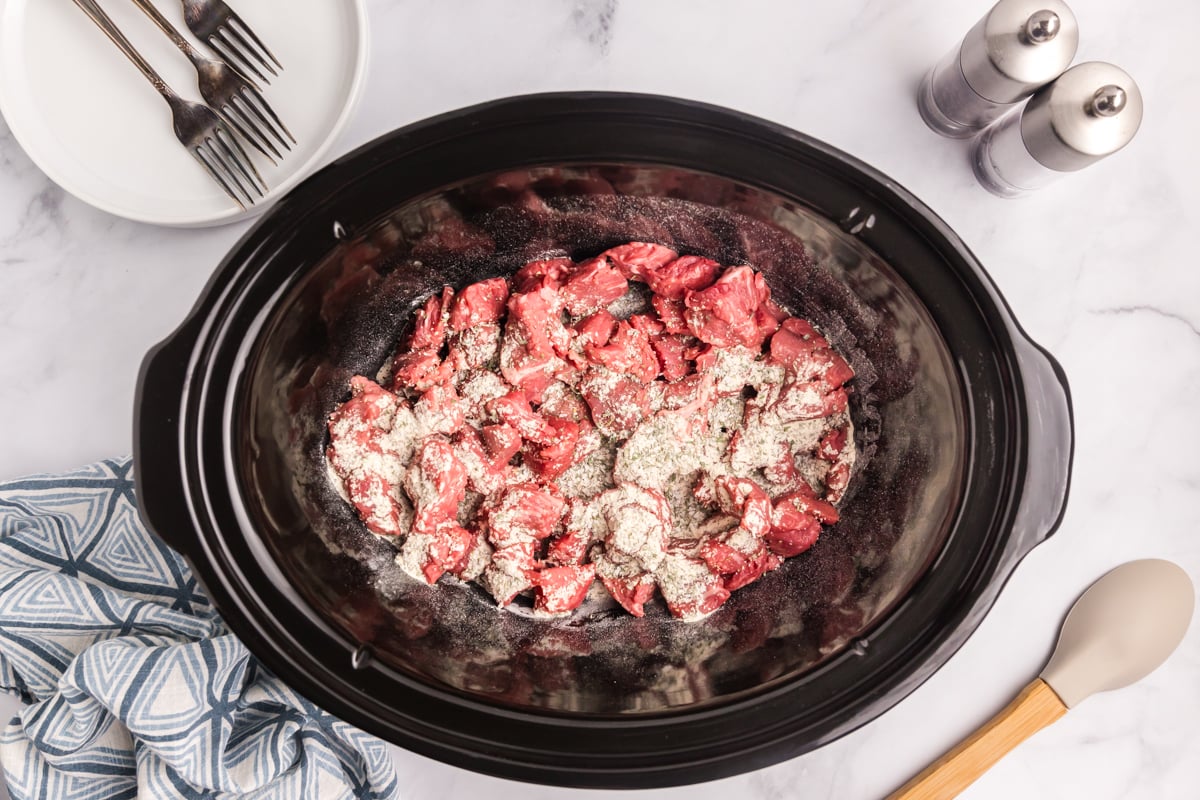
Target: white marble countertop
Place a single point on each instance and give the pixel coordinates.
(1100, 268)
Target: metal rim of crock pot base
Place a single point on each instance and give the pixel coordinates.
(178, 427)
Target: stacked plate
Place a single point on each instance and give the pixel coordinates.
(100, 131)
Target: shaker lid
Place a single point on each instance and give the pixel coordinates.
(1017, 47)
(1091, 111)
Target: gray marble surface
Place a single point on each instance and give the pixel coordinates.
(1100, 268)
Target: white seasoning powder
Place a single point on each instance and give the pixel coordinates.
(618, 484)
(435, 417)
(468, 508)
(634, 301)
(404, 509)
(587, 516)
(594, 474)
(658, 455)
(521, 473)
(501, 582)
(613, 565)
(414, 553)
(739, 367)
(636, 528)
(368, 460)
(653, 454)
(557, 596)
(683, 582)
(477, 560)
(420, 487)
(480, 344)
(478, 388)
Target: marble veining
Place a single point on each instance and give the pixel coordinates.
(594, 21)
(1099, 268)
(1191, 326)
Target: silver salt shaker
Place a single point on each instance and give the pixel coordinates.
(1091, 111)
(1017, 47)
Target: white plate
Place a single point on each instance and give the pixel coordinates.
(91, 122)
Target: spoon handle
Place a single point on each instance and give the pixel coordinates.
(1033, 709)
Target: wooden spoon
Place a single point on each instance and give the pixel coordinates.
(1119, 631)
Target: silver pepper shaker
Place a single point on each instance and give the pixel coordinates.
(1091, 111)
(1018, 46)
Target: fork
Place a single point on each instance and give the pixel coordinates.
(214, 22)
(226, 91)
(196, 126)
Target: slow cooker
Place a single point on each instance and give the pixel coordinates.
(963, 426)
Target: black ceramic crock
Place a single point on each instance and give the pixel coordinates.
(963, 423)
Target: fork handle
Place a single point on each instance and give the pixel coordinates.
(170, 30)
(105, 23)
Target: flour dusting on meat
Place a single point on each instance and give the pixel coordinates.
(642, 421)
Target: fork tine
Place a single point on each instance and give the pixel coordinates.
(255, 102)
(257, 120)
(257, 97)
(241, 73)
(239, 158)
(233, 17)
(242, 107)
(244, 157)
(245, 125)
(233, 116)
(226, 168)
(216, 176)
(248, 49)
(231, 56)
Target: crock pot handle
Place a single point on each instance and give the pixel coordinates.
(158, 461)
(1051, 444)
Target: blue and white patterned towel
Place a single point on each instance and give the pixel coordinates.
(133, 686)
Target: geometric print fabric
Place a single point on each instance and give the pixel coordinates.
(132, 686)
